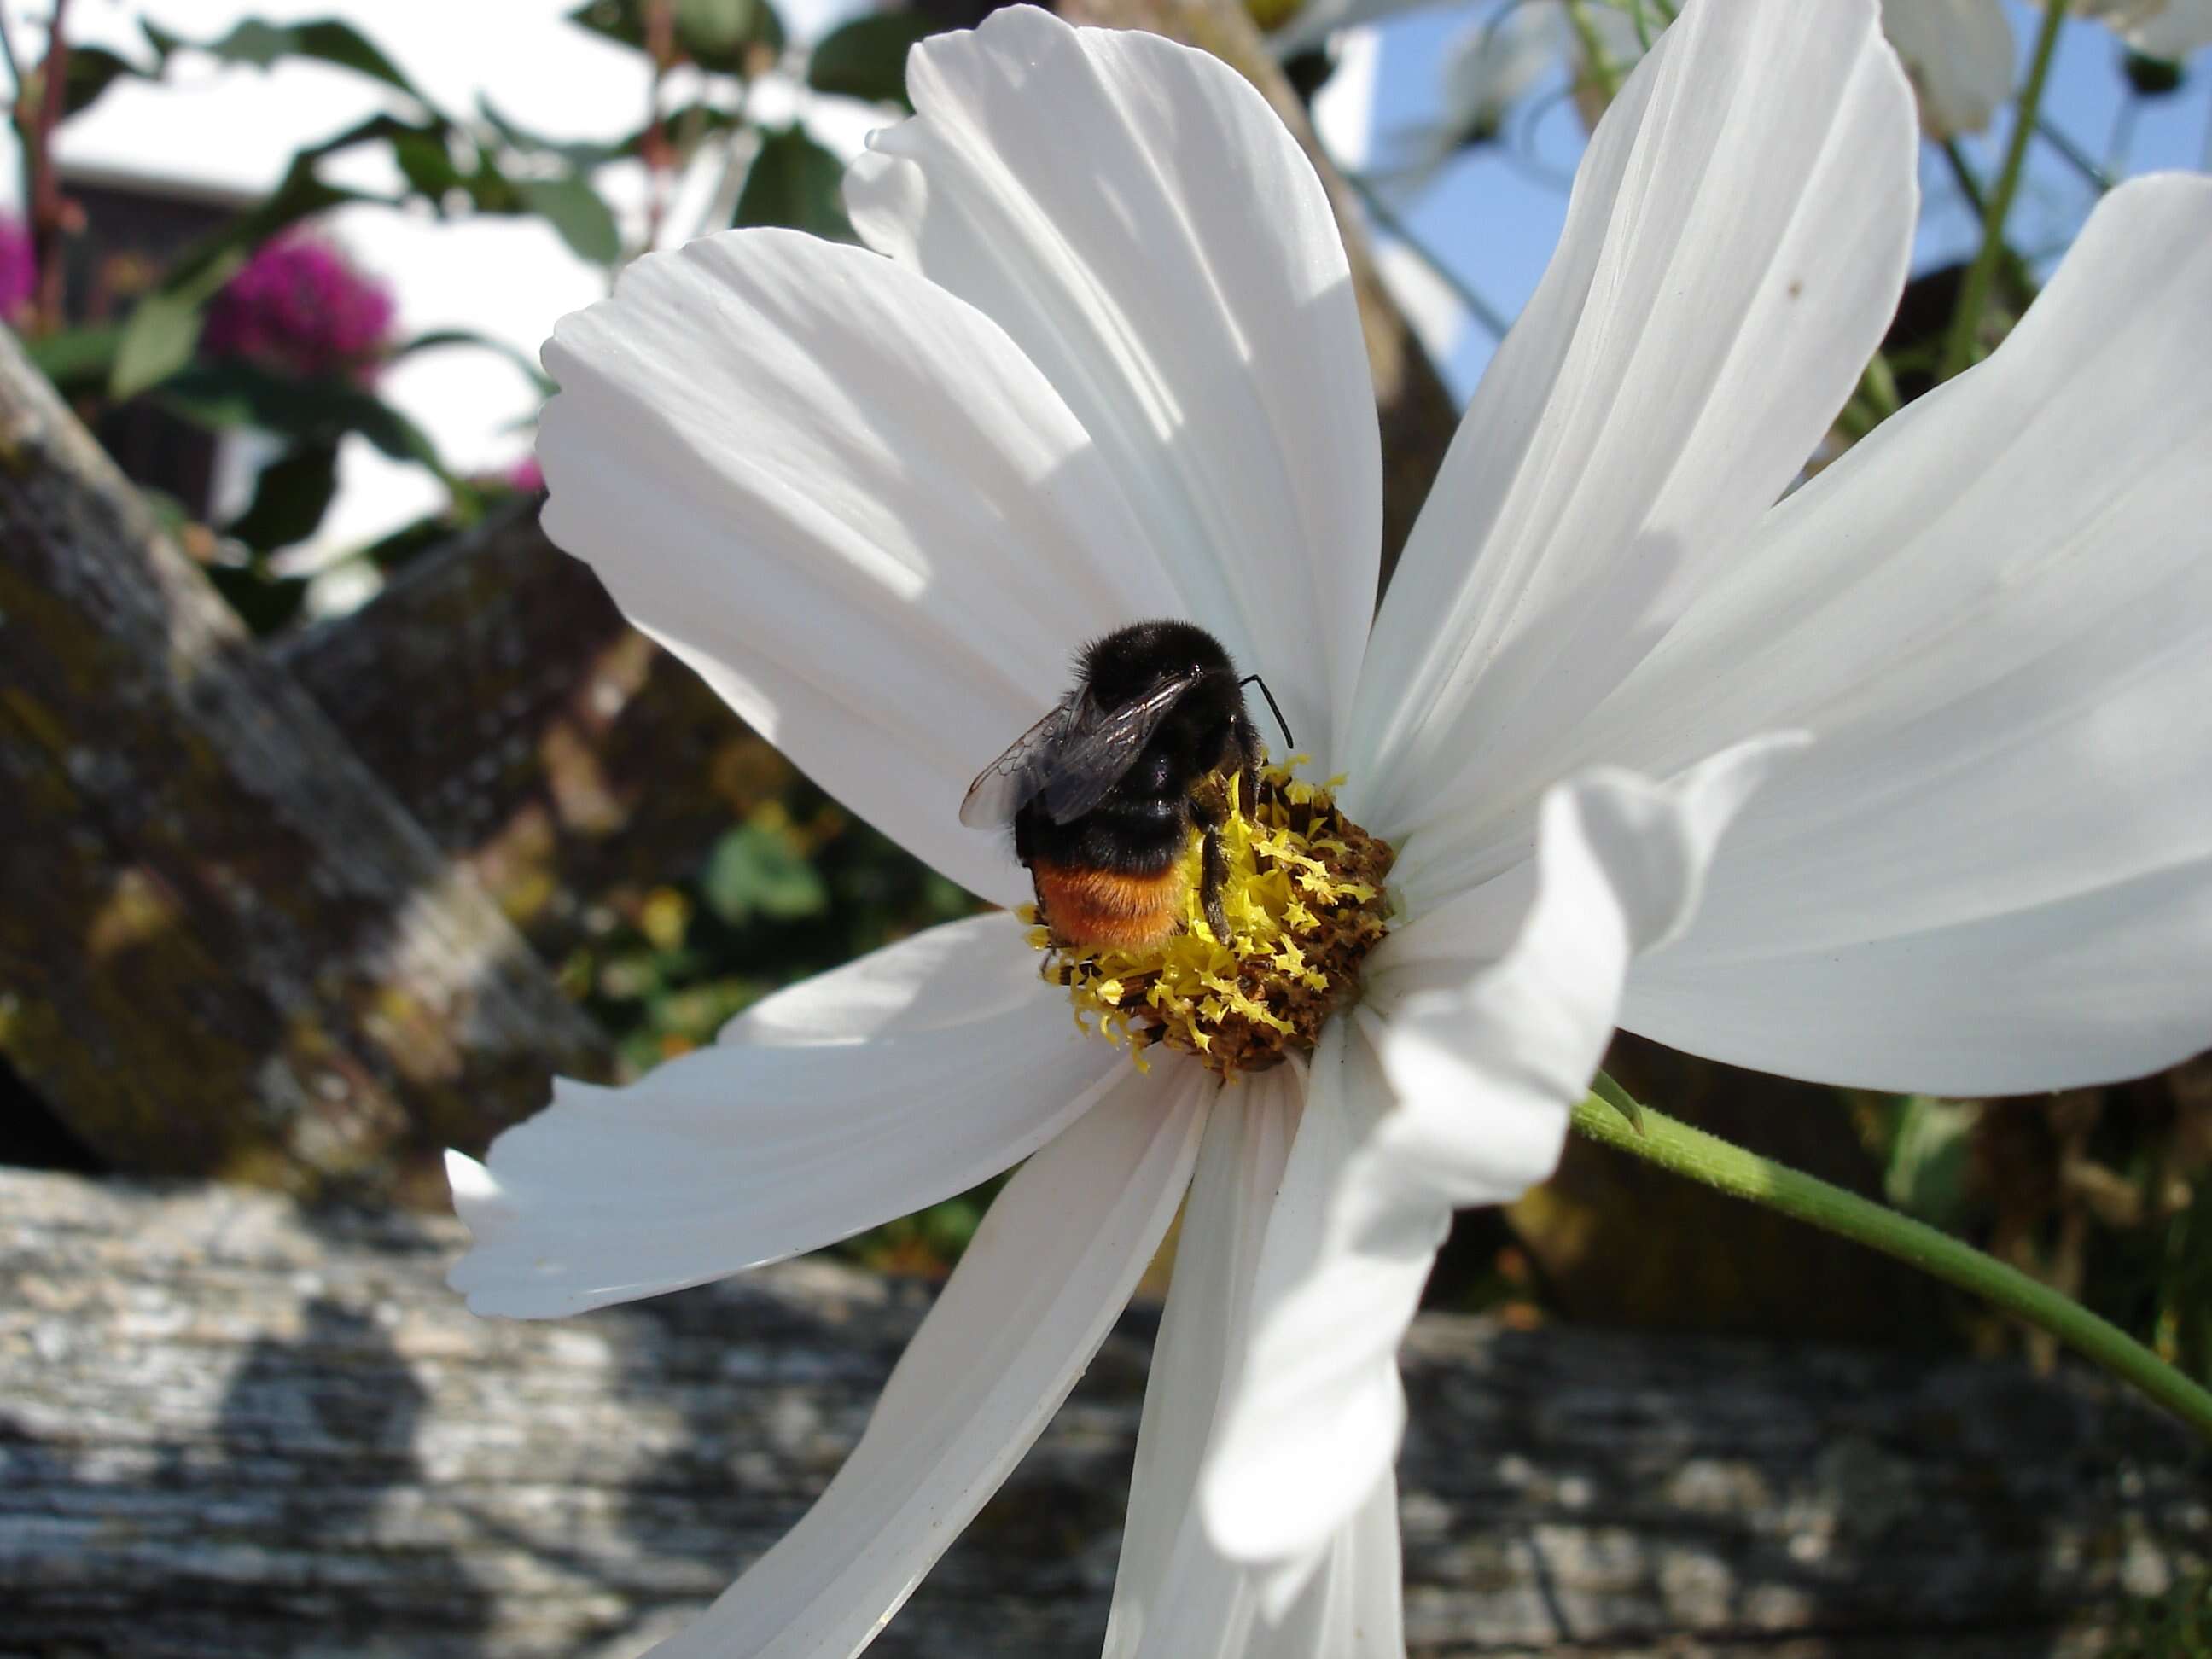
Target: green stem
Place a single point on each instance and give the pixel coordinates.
(2077, 158)
(1676, 1146)
(1387, 219)
(1604, 75)
(1974, 296)
(1963, 171)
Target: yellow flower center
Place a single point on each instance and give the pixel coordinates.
(1304, 901)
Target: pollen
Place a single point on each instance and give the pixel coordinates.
(1305, 903)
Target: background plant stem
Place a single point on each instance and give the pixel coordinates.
(1674, 1145)
(1974, 296)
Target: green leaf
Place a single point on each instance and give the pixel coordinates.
(76, 358)
(159, 338)
(755, 870)
(438, 338)
(867, 58)
(235, 393)
(92, 70)
(300, 195)
(794, 182)
(265, 602)
(1928, 1160)
(256, 41)
(289, 499)
(1631, 1110)
(580, 155)
(426, 162)
(574, 209)
(715, 35)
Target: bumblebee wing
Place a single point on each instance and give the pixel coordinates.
(1101, 745)
(1003, 787)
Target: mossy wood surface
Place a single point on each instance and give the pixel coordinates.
(233, 1426)
(562, 756)
(224, 947)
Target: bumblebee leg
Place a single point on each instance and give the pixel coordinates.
(1249, 751)
(1213, 872)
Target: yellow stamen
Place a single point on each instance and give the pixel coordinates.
(1304, 900)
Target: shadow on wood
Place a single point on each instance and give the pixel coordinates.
(232, 1426)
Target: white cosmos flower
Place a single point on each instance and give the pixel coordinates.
(1104, 363)
(1958, 53)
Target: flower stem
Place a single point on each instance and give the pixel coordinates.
(1676, 1146)
(1973, 296)
(1393, 224)
(1605, 75)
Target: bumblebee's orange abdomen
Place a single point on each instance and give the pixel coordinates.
(1097, 908)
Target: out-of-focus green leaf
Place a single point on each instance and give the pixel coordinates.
(92, 70)
(1927, 1173)
(574, 208)
(237, 394)
(755, 870)
(438, 339)
(76, 358)
(289, 498)
(715, 35)
(261, 43)
(867, 58)
(794, 182)
(163, 331)
(264, 601)
(581, 155)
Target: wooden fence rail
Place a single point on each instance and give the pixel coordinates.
(231, 1425)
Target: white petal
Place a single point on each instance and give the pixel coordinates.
(2158, 28)
(1039, 1287)
(1134, 216)
(850, 503)
(1960, 55)
(1449, 1085)
(822, 1113)
(1352, 1606)
(1175, 1595)
(1734, 249)
(1993, 872)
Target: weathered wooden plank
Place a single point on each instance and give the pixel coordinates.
(562, 756)
(223, 945)
(229, 1425)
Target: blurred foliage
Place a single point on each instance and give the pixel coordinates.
(138, 336)
(2176, 1625)
(796, 888)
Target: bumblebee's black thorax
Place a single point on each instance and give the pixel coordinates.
(1141, 825)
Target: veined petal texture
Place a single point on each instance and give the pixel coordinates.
(848, 500)
(1732, 252)
(1138, 220)
(1449, 1085)
(1993, 871)
(830, 1107)
(1034, 1296)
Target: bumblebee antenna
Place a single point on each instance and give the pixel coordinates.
(1253, 679)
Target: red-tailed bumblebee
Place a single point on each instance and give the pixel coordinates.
(1105, 792)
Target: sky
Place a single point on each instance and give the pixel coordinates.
(1492, 215)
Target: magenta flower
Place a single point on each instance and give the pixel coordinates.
(298, 305)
